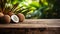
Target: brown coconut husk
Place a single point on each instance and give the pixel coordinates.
(21, 17)
(5, 19)
(10, 13)
(1, 14)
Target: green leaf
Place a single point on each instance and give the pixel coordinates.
(35, 4)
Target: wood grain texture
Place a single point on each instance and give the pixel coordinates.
(34, 23)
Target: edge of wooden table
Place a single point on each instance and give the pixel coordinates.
(34, 23)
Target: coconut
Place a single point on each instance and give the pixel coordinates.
(1, 14)
(5, 19)
(10, 13)
(14, 19)
(21, 17)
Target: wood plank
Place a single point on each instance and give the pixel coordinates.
(22, 26)
(34, 23)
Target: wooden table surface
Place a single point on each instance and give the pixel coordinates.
(34, 23)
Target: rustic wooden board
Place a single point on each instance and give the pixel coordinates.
(34, 23)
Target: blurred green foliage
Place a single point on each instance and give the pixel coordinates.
(36, 9)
